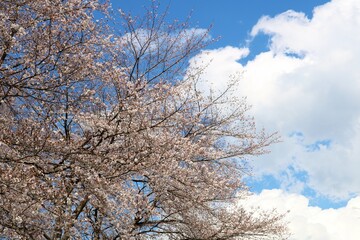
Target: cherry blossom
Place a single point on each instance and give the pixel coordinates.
(105, 135)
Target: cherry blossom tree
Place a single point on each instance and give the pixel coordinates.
(105, 133)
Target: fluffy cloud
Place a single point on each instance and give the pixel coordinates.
(307, 87)
(307, 222)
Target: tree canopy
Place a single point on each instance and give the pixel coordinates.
(106, 134)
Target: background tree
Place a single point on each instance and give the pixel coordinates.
(105, 135)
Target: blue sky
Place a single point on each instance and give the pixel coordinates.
(299, 63)
(232, 20)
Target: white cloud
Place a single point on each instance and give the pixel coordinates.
(316, 93)
(311, 223)
(146, 40)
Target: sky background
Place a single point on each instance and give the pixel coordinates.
(300, 70)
